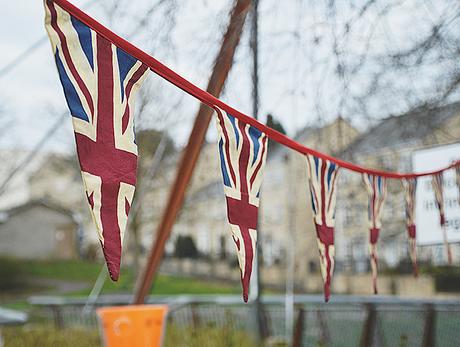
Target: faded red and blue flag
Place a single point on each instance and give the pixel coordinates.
(99, 82)
(377, 189)
(410, 189)
(243, 152)
(437, 183)
(322, 179)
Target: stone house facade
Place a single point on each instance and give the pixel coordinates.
(38, 230)
(389, 146)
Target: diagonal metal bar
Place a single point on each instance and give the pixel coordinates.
(191, 153)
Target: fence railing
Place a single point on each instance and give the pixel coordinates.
(345, 321)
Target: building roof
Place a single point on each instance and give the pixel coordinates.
(5, 215)
(411, 127)
(303, 135)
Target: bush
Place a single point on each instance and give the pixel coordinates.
(447, 278)
(12, 278)
(185, 247)
(404, 267)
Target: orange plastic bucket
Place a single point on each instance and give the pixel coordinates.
(135, 325)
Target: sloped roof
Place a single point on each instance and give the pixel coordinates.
(303, 135)
(411, 127)
(37, 203)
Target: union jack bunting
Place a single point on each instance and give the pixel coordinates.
(243, 152)
(437, 182)
(322, 180)
(376, 188)
(410, 189)
(99, 82)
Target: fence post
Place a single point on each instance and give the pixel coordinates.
(298, 330)
(369, 326)
(195, 316)
(57, 315)
(430, 326)
(324, 331)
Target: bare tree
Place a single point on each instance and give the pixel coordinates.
(404, 53)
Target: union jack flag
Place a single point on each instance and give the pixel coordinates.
(376, 188)
(243, 152)
(410, 189)
(99, 82)
(322, 179)
(437, 183)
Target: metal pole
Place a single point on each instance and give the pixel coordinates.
(191, 153)
(429, 330)
(290, 255)
(256, 285)
(367, 336)
(255, 58)
(254, 293)
(297, 339)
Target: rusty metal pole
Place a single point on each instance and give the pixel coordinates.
(191, 153)
(367, 336)
(429, 330)
(297, 339)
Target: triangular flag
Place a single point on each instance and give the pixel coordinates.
(322, 179)
(242, 152)
(437, 183)
(376, 188)
(410, 189)
(99, 82)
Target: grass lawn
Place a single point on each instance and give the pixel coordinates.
(47, 336)
(34, 273)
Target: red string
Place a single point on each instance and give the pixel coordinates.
(212, 101)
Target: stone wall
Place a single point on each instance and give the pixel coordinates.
(275, 277)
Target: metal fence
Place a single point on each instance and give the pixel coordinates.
(345, 321)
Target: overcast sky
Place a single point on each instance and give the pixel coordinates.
(299, 83)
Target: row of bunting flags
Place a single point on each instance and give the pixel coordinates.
(100, 73)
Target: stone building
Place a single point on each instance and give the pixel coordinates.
(203, 215)
(14, 182)
(39, 230)
(286, 220)
(58, 182)
(285, 213)
(388, 146)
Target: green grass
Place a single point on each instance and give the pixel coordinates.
(87, 272)
(166, 285)
(207, 337)
(47, 336)
(61, 269)
(177, 285)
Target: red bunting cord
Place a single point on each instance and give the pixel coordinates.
(213, 102)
